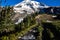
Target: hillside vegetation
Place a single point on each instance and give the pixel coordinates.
(11, 31)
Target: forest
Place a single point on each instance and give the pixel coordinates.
(46, 30)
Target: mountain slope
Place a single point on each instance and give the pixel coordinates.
(27, 7)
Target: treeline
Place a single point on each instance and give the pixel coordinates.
(8, 27)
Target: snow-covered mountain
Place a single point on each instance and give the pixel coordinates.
(26, 7)
(29, 6)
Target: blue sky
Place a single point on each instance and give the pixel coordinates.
(47, 2)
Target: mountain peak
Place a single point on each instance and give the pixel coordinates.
(28, 7)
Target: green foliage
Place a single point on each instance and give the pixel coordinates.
(5, 38)
(12, 31)
(6, 24)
